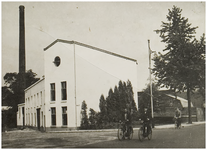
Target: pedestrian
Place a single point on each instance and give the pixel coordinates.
(177, 116)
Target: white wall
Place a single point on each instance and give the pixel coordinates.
(20, 115)
(96, 73)
(53, 74)
(34, 99)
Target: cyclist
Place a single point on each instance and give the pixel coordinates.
(128, 120)
(177, 116)
(146, 120)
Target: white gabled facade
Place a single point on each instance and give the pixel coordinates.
(75, 72)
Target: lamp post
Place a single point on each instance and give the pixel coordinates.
(151, 96)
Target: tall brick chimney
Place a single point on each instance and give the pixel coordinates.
(22, 65)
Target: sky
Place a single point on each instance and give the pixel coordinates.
(120, 27)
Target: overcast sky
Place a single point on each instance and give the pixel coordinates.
(120, 27)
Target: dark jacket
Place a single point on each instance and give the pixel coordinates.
(145, 116)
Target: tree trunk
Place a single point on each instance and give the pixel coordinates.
(189, 105)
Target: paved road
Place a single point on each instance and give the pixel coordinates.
(188, 137)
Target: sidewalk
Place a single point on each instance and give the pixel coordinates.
(183, 125)
(167, 126)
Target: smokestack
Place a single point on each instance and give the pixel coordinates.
(21, 40)
(22, 52)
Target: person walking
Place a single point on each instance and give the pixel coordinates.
(177, 116)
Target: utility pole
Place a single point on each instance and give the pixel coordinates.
(151, 96)
(75, 87)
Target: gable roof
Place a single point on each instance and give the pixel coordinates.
(183, 101)
(91, 47)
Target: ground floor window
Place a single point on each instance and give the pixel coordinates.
(64, 115)
(53, 115)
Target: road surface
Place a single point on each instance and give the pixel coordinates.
(187, 137)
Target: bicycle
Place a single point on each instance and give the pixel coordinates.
(142, 134)
(122, 133)
(177, 124)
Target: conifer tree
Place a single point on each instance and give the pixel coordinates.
(180, 67)
(84, 119)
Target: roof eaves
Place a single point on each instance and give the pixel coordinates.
(34, 84)
(91, 47)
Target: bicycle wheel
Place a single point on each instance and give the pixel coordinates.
(175, 124)
(120, 134)
(150, 134)
(140, 134)
(130, 133)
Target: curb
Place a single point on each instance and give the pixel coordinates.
(168, 126)
(183, 125)
(107, 130)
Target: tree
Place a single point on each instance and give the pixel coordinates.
(121, 98)
(84, 118)
(181, 67)
(11, 93)
(103, 109)
(118, 112)
(12, 82)
(111, 102)
(92, 118)
(145, 98)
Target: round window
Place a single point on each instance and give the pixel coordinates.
(57, 61)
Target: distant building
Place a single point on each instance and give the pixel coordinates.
(167, 102)
(74, 72)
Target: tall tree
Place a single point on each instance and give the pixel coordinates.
(118, 104)
(92, 118)
(123, 96)
(103, 110)
(84, 116)
(111, 106)
(180, 66)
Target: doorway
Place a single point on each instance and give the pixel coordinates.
(38, 118)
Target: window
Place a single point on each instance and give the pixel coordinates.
(64, 90)
(35, 100)
(53, 116)
(52, 89)
(42, 118)
(28, 102)
(64, 115)
(35, 119)
(38, 103)
(31, 102)
(28, 118)
(41, 98)
(31, 119)
(57, 61)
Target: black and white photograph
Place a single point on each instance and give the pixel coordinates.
(103, 74)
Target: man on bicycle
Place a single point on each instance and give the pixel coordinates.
(178, 117)
(127, 118)
(146, 119)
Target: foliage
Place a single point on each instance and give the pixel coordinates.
(145, 99)
(11, 93)
(112, 107)
(84, 118)
(92, 118)
(182, 65)
(103, 109)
